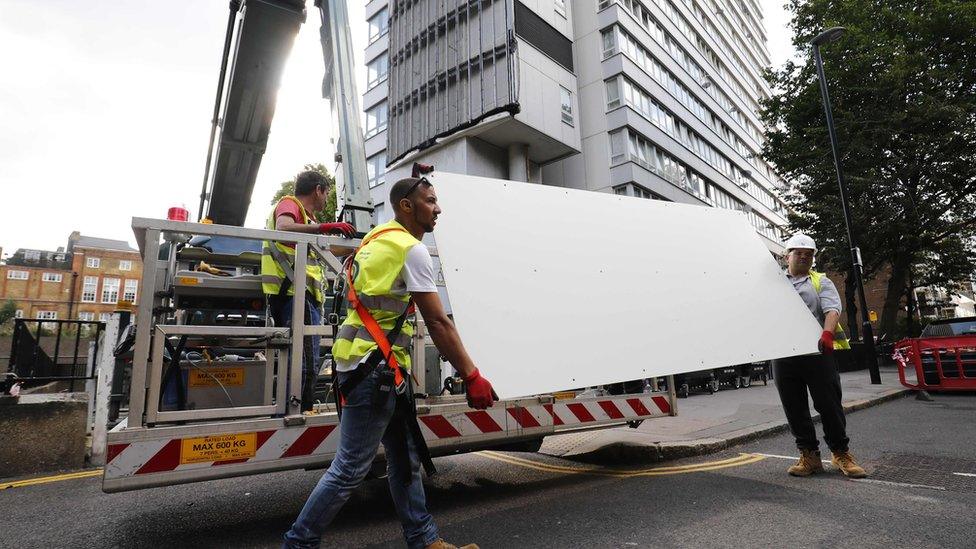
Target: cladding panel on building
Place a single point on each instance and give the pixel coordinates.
(452, 64)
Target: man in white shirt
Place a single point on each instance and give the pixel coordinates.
(391, 269)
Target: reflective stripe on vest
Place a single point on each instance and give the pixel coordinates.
(352, 332)
(840, 337)
(376, 268)
(273, 274)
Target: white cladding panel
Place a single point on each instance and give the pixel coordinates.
(556, 288)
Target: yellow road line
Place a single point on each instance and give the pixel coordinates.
(677, 468)
(674, 468)
(741, 459)
(54, 478)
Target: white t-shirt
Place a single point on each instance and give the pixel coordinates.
(417, 275)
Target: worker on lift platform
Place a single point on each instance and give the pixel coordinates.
(295, 214)
(816, 373)
(391, 271)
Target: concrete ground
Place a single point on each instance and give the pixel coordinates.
(921, 494)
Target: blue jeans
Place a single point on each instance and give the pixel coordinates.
(363, 426)
(281, 312)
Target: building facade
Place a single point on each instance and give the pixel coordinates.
(108, 271)
(85, 281)
(647, 98)
(40, 282)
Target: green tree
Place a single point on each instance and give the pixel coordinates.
(325, 215)
(8, 310)
(903, 87)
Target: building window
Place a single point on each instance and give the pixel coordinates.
(93, 262)
(566, 104)
(613, 93)
(378, 25)
(609, 43)
(110, 290)
(377, 71)
(18, 275)
(376, 169)
(103, 317)
(47, 315)
(376, 119)
(89, 289)
(86, 316)
(131, 286)
(52, 277)
(535, 30)
(618, 146)
(125, 265)
(19, 313)
(655, 160)
(631, 189)
(32, 255)
(560, 6)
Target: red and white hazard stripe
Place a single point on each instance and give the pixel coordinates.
(156, 456)
(495, 420)
(571, 413)
(455, 426)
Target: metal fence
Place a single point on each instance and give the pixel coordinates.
(33, 358)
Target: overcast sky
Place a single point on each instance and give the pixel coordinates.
(105, 112)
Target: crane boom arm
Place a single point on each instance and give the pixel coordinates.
(265, 33)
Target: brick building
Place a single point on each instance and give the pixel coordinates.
(875, 293)
(39, 282)
(108, 271)
(83, 282)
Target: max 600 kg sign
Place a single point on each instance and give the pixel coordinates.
(218, 448)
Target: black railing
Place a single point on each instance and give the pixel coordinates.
(33, 358)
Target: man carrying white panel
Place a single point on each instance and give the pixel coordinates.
(389, 272)
(816, 373)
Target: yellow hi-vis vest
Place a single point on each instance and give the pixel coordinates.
(375, 268)
(840, 337)
(273, 274)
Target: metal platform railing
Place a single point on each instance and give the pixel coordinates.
(163, 332)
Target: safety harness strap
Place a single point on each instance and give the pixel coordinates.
(406, 410)
(373, 327)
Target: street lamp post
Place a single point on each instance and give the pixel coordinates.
(867, 331)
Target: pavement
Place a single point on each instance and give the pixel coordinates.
(709, 423)
(920, 494)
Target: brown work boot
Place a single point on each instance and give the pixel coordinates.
(808, 464)
(441, 544)
(845, 462)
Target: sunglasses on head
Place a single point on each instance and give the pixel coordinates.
(414, 187)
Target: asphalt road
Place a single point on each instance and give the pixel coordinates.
(738, 498)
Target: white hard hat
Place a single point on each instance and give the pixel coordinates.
(800, 240)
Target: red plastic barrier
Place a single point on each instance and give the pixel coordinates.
(940, 363)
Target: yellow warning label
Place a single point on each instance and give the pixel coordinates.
(872, 316)
(188, 280)
(218, 448)
(233, 377)
(564, 395)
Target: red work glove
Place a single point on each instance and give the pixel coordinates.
(344, 229)
(826, 343)
(480, 393)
